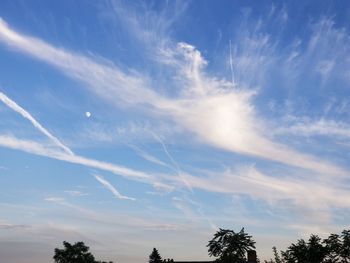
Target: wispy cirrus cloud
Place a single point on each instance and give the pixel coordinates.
(213, 110)
(75, 193)
(115, 79)
(208, 107)
(13, 226)
(323, 127)
(300, 192)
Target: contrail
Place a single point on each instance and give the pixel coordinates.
(148, 157)
(39, 149)
(231, 66)
(68, 155)
(175, 164)
(14, 106)
(111, 188)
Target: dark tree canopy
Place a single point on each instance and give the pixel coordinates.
(345, 246)
(229, 246)
(77, 253)
(155, 257)
(306, 252)
(334, 249)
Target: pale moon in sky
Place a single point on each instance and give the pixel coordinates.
(88, 114)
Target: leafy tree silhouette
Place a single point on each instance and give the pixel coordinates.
(333, 246)
(229, 246)
(345, 246)
(77, 253)
(155, 257)
(334, 249)
(306, 252)
(338, 247)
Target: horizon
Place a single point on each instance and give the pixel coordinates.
(130, 125)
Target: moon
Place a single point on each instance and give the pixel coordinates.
(88, 114)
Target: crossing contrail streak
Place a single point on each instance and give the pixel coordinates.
(15, 107)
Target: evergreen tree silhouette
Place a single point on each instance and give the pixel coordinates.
(155, 257)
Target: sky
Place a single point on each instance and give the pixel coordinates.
(137, 124)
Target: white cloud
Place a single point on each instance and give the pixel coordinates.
(307, 191)
(114, 80)
(308, 197)
(327, 51)
(111, 188)
(220, 116)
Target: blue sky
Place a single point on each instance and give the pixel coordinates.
(132, 125)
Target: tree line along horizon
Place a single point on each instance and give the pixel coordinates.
(228, 246)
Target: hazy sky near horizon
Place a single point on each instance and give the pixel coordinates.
(137, 124)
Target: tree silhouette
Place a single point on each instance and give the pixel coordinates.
(316, 251)
(334, 249)
(345, 246)
(155, 257)
(306, 252)
(77, 253)
(229, 246)
(333, 246)
(276, 255)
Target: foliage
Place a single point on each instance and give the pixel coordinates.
(338, 247)
(345, 246)
(77, 253)
(333, 246)
(276, 255)
(334, 249)
(229, 246)
(306, 252)
(155, 257)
